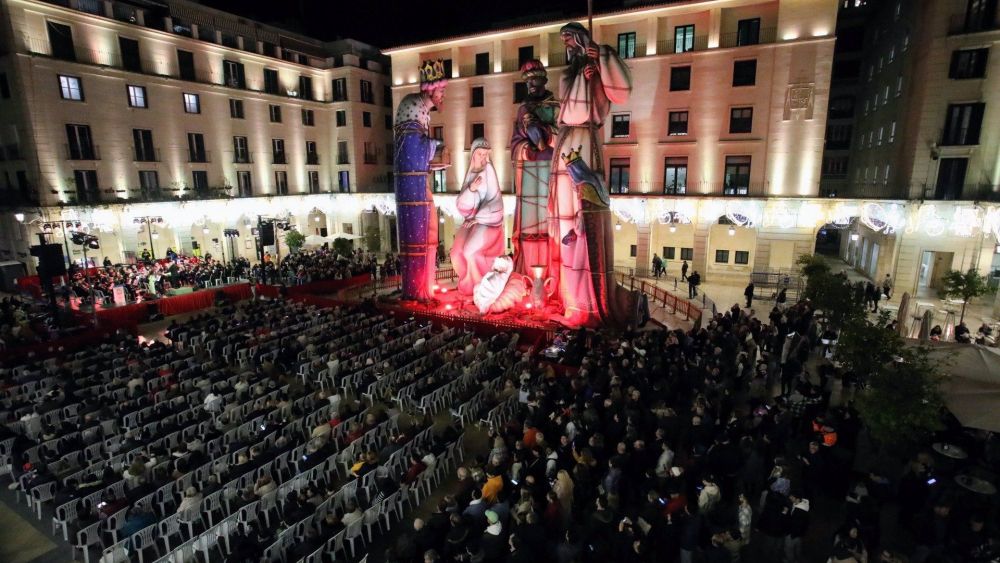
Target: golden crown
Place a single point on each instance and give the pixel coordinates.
(432, 71)
(574, 154)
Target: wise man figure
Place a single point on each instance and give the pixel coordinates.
(480, 238)
(531, 152)
(594, 78)
(416, 217)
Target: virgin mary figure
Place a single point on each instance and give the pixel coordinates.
(480, 238)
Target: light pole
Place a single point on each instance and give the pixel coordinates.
(230, 235)
(73, 225)
(149, 221)
(88, 241)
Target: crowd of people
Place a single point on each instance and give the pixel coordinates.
(324, 263)
(151, 279)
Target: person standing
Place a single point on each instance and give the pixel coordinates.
(657, 265)
(693, 281)
(684, 271)
(887, 286)
(748, 293)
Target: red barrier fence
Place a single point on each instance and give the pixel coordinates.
(314, 288)
(127, 316)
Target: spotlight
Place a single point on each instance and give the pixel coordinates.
(447, 307)
(441, 220)
(527, 305)
(854, 237)
(316, 219)
(444, 290)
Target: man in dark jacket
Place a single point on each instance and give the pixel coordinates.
(796, 524)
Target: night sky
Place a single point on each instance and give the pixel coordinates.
(386, 23)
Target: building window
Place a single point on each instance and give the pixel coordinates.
(618, 176)
(313, 182)
(439, 184)
(199, 180)
(477, 97)
(899, 85)
(61, 41)
(968, 63)
(721, 256)
(371, 153)
(885, 94)
(308, 118)
(741, 257)
(4, 86)
(962, 124)
(241, 150)
(185, 63)
(388, 122)
(387, 96)
(137, 96)
(835, 166)
(236, 109)
(278, 151)
(340, 89)
(675, 172)
(149, 181)
(143, 141)
(80, 143)
(342, 153)
(680, 78)
(748, 32)
(740, 120)
(478, 132)
(312, 155)
(687, 254)
(980, 15)
(520, 92)
(366, 92)
(192, 103)
(482, 63)
(626, 45)
(677, 123)
(70, 88)
(281, 182)
(344, 182)
(881, 133)
(737, 177)
(633, 250)
(892, 53)
(234, 74)
(745, 72)
(620, 123)
(366, 118)
(437, 132)
(669, 252)
(274, 112)
(683, 38)
(842, 107)
(271, 84)
(196, 148)
(130, 54)
(306, 87)
(347, 228)
(341, 118)
(244, 183)
(892, 132)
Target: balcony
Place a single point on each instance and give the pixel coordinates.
(312, 158)
(866, 190)
(371, 158)
(11, 152)
(279, 158)
(242, 158)
(199, 156)
(960, 24)
(736, 39)
(738, 187)
(147, 154)
(669, 46)
(72, 152)
(342, 159)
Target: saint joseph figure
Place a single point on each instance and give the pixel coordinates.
(595, 77)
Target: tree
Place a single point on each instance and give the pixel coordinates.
(966, 286)
(901, 402)
(343, 246)
(294, 240)
(373, 240)
(829, 292)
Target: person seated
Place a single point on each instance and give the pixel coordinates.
(962, 333)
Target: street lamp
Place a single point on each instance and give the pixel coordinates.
(149, 221)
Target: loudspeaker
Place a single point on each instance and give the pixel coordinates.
(267, 234)
(50, 260)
